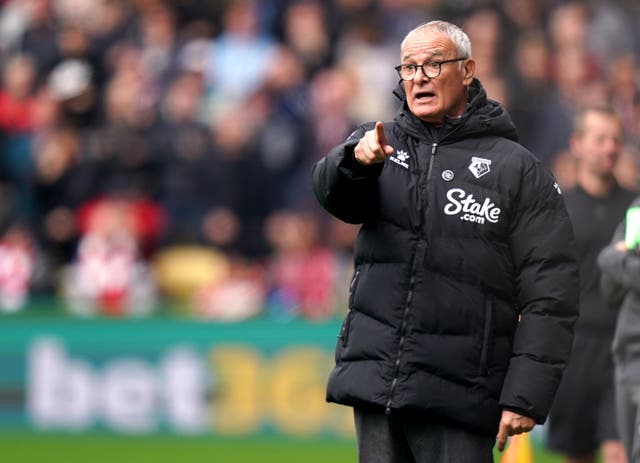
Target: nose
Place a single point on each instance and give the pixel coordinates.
(611, 146)
(420, 72)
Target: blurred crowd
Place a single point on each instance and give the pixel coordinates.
(158, 150)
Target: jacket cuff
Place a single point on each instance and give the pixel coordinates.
(519, 411)
(530, 387)
(349, 166)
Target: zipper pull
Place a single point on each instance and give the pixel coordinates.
(433, 149)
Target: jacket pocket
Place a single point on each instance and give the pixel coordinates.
(343, 337)
(344, 331)
(487, 333)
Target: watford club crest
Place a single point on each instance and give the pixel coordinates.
(479, 166)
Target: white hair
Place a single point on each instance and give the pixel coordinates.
(456, 35)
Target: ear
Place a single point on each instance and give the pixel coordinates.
(468, 70)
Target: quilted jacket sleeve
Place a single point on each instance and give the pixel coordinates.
(547, 292)
(343, 187)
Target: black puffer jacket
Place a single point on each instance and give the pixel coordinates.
(464, 233)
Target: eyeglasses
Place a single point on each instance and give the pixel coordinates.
(430, 69)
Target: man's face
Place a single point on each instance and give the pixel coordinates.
(599, 144)
(431, 99)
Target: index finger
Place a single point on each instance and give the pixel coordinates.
(381, 138)
(502, 437)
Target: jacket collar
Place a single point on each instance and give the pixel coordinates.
(482, 116)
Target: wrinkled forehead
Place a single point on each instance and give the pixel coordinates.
(427, 43)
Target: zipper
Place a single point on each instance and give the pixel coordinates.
(414, 267)
(434, 147)
(403, 329)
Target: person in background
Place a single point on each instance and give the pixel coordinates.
(620, 284)
(18, 256)
(465, 288)
(582, 419)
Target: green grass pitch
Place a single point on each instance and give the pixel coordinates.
(16, 447)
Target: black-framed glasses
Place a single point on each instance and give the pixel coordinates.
(431, 69)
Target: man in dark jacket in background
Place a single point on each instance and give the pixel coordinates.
(465, 288)
(582, 418)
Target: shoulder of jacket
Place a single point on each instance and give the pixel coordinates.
(517, 154)
(515, 149)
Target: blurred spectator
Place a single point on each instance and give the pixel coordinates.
(60, 183)
(118, 152)
(331, 95)
(302, 274)
(13, 22)
(627, 171)
(286, 85)
(77, 11)
(609, 32)
(239, 199)
(206, 284)
(181, 271)
(112, 23)
(238, 58)
(307, 34)
(71, 84)
(484, 28)
(529, 87)
(109, 275)
(239, 296)
(345, 12)
(157, 41)
(283, 139)
(16, 95)
(73, 41)
(17, 262)
(625, 96)
(573, 68)
(39, 37)
(400, 16)
(522, 16)
(496, 88)
(17, 120)
(182, 147)
(363, 50)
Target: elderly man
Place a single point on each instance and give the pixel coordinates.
(464, 294)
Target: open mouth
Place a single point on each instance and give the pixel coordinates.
(424, 95)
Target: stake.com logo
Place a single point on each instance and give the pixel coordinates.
(472, 211)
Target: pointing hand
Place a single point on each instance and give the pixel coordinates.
(373, 147)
